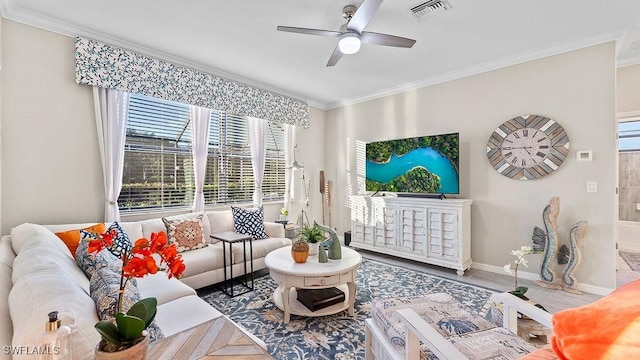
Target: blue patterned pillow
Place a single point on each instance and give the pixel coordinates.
(249, 222)
(88, 263)
(104, 287)
(121, 242)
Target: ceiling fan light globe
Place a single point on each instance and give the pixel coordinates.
(349, 43)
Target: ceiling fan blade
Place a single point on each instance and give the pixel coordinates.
(337, 54)
(308, 31)
(362, 16)
(386, 40)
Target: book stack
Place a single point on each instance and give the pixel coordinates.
(316, 299)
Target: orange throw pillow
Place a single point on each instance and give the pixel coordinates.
(605, 329)
(71, 238)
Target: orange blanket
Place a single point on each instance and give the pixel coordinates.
(606, 329)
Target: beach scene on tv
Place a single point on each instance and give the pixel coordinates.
(426, 164)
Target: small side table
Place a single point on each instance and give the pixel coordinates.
(230, 237)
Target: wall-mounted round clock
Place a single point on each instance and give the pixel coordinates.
(528, 147)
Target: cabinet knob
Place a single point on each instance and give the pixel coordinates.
(322, 281)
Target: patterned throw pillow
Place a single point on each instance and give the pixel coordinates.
(249, 222)
(121, 242)
(72, 238)
(88, 263)
(104, 287)
(187, 234)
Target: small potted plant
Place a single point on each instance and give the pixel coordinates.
(283, 214)
(313, 235)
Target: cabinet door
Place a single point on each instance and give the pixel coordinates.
(384, 223)
(443, 234)
(412, 229)
(361, 229)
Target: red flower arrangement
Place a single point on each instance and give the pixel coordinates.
(137, 262)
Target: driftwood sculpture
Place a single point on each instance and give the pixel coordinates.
(576, 235)
(550, 221)
(547, 241)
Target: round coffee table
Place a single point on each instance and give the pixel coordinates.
(290, 275)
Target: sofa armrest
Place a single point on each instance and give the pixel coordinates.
(274, 229)
(418, 330)
(512, 305)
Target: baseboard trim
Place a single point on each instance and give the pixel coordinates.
(592, 289)
(629, 246)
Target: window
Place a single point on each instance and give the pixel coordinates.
(158, 163)
(629, 136)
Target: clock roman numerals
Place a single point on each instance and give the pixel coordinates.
(540, 154)
(525, 132)
(544, 146)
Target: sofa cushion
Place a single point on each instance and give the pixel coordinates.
(605, 329)
(162, 288)
(186, 234)
(121, 241)
(34, 234)
(205, 259)
(184, 313)
(44, 252)
(249, 222)
(34, 296)
(72, 238)
(260, 248)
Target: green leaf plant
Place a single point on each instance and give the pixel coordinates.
(128, 327)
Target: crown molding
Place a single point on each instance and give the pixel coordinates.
(10, 12)
(486, 67)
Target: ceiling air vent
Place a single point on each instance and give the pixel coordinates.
(429, 8)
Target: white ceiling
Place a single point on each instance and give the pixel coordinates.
(238, 39)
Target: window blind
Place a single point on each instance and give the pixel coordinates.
(158, 164)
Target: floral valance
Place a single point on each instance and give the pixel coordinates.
(102, 65)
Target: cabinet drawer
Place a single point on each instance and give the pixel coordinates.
(321, 280)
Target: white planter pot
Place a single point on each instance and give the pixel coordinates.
(313, 249)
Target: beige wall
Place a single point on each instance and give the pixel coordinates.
(628, 89)
(52, 172)
(576, 89)
(51, 166)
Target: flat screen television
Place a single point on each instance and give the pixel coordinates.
(419, 165)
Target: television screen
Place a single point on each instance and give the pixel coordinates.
(426, 164)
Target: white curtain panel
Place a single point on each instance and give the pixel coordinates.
(258, 142)
(200, 118)
(111, 108)
(289, 183)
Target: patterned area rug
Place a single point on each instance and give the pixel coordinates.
(336, 336)
(632, 259)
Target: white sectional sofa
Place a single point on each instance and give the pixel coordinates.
(38, 275)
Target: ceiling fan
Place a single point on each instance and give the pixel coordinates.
(351, 34)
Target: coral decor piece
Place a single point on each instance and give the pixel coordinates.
(137, 262)
(576, 235)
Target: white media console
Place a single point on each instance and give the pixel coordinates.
(431, 231)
